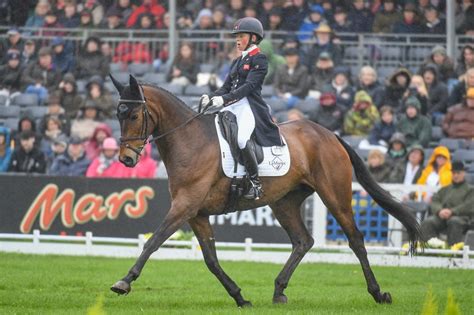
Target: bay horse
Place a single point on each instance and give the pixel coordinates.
(321, 162)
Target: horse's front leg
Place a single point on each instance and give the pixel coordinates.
(178, 214)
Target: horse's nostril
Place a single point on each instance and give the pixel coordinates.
(128, 161)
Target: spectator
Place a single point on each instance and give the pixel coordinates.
(294, 12)
(383, 130)
(113, 20)
(377, 166)
(466, 60)
(146, 166)
(459, 90)
(341, 84)
(86, 19)
(5, 149)
(55, 110)
(264, 14)
(274, 60)
(90, 60)
(445, 64)
(28, 55)
(415, 127)
(70, 18)
(361, 18)
(275, 20)
(51, 22)
(185, 67)
(51, 132)
(148, 6)
(311, 22)
(125, 7)
(94, 144)
(410, 23)
(10, 75)
(26, 123)
(41, 74)
(27, 158)
(451, 209)
(58, 147)
(397, 87)
(368, 82)
(37, 19)
(363, 115)
(386, 18)
(433, 23)
(69, 98)
(322, 74)
(397, 150)
(13, 42)
(459, 121)
(236, 10)
(409, 172)
(219, 18)
(419, 90)
(107, 163)
(63, 56)
(96, 10)
(325, 43)
(98, 93)
(250, 11)
(341, 22)
(73, 162)
(292, 41)
(329, 114)
(437, 91)
(88, 119)
(291, 79)
(437, 172)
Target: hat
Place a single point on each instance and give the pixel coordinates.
(110, 144)
(342, 70)
(27, 134)
(69, 78)
(417, 147)
(470, 92)
(57, 41)
(13, 31)
(438, 49)
(44, 51)
(75, 140)
(413, 101)
(324, 55)
(457, 166)
(323, 28)
(61, 140)
(11, 55)
(362, 96)
(291, 52)
(29, 42)
(113, 11)
(398, 137)
(327, 95)
(316, 8)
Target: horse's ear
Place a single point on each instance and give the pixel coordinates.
(117, 84)
(134, 87)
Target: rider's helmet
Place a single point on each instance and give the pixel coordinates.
(249, 25)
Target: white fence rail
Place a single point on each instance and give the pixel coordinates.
(90, 245)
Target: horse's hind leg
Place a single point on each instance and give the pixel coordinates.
(203, 231)
(287, 211)
(338, 201)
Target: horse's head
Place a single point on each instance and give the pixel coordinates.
(136, 122)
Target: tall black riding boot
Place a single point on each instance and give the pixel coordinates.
(251, 166)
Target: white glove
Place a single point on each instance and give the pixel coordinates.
(205, 100)
(217, 101)
(287, 95)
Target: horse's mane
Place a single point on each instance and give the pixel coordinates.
(174, 97)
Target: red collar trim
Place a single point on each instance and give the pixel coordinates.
(254, 51)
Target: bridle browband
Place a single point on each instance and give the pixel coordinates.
(144, 130)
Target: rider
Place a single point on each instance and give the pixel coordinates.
(241, 95)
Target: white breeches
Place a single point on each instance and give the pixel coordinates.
(245, 120)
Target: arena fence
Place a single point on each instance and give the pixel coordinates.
(90, 245)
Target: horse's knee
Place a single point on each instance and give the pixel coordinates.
(304, 245)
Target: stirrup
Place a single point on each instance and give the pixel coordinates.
(255, 192)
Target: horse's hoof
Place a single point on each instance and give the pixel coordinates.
(245, 304)
(121, 287)
(281, 299)
(384, 298)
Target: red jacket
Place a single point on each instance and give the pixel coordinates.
(116, 169)
(154, 8)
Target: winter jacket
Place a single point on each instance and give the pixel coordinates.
(189, 70)
(146, 166)
(5, 150)
(128, 52)
(402, 27)
(28, 162)
(330, 117)
(92, 147)
(384, 21)
(344, 94)
(380, 173)
(320, 78)
(10, 78)
(293, 16)
(417, 130)
(361, 20)
(64, 61)
(381, 131)
(104, 102)
(359, 122)
(457, 94)
(459, 122)
(444, 173)
(394, 92)
(91, 63)
(71, 102)
(375, 90)
(274, 60)
(437, 92)
(457, 197)
(49, 78)
(296, 84)
(445, 70)
(116, 169)
(64, 165)
(438, 28)
(154, 8)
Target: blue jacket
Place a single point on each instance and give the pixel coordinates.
(381, 131)
(63, 165)
(5, 159)
(307, 27)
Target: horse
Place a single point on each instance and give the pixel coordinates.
(187, 141)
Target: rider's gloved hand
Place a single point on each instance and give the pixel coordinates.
(205, 100)
(217, 101)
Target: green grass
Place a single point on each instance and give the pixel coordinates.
(31, 284)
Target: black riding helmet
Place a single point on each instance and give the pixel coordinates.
(249, 25)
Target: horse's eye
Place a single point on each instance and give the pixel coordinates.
(134, 117)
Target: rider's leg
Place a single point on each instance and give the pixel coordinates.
(251, 165)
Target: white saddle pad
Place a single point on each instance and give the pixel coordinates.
(276, 161)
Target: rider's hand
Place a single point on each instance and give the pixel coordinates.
(205, 100)
(217, 101)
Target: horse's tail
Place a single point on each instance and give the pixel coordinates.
(384, 198)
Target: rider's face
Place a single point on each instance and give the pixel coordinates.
(242, 40)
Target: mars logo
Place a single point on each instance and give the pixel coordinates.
(48, 205)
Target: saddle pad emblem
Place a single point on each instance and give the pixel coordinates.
(276, 161)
